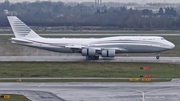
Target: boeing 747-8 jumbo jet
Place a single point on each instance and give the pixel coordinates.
(92, 48)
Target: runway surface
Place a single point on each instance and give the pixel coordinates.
(174, 60)
(162, 91)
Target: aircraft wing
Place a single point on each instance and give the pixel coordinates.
(117, 49)
(74, 46)
(96, 48)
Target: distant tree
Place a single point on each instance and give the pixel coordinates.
(173, 12)
(146, 12)
(59, 14)
(170, 12)
(123, 8)
(105, 11)
(98, 11)
(161, 12)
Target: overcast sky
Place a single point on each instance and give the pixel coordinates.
(124, 1)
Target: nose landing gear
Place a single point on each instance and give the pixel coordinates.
(157, 57)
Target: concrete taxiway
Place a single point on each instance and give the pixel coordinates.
(174, 60)
(162, 91)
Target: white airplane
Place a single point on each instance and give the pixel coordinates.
(92, 48)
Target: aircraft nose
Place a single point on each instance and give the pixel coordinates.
(171, 45)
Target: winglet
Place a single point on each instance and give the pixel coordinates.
(20, 29)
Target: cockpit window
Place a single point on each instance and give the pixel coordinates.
(162, 38)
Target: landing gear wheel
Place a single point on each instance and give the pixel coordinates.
(92, 57)
(88, 57)
(157, 57)
(96, 57)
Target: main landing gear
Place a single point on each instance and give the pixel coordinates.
(157, 57)
(92, 57)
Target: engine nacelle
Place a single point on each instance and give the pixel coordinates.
(88, 52)
(108, 53)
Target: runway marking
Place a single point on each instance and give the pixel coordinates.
(155, 97)
(41, 85)
(143, 93)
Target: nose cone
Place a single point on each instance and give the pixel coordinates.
(171, 45)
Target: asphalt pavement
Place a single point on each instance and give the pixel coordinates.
(124, 91)
(173, 60)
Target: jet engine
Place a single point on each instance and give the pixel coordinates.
(108, 53)
(88, 52)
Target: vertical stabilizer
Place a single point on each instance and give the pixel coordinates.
(20, 29)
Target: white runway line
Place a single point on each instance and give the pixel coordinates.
(155, 97)
(41, 85)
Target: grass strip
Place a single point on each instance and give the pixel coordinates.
(87, 80)
(87, 69)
